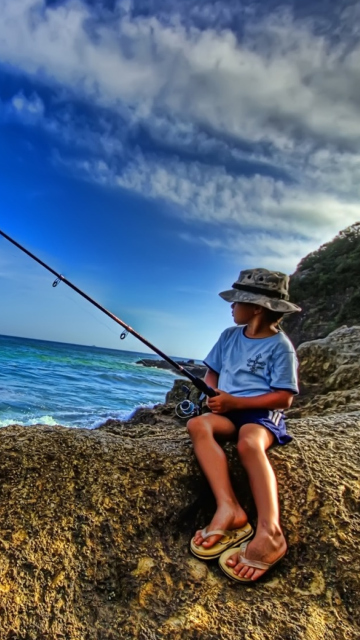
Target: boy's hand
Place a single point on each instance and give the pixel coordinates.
(223, 402)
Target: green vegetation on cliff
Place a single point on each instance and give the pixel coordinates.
(326, 286)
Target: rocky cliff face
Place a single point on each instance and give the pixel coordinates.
(329, 374)
(326, 287)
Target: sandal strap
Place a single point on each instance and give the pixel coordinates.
(228, 533)
(215, 532)
(254, 564)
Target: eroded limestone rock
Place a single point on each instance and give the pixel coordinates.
(329, 374)
(95, 528)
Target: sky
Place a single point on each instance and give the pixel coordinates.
(150, 150)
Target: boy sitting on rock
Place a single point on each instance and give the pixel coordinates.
(253, 367)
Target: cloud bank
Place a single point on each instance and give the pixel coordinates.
(251, 133)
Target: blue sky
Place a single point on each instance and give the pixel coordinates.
(151, 150)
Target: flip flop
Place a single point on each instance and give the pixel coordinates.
(229, 539)
(255, 564)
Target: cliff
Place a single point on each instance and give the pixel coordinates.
(95, 527)
(326, 286)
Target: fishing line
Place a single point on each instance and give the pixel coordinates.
(83, 308)
(13, 254)
(197, 382)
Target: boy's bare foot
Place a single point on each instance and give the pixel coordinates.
(268, 546)
(227, 517)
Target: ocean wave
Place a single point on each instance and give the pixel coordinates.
(111, 386)
(122, 415)
(49, 421)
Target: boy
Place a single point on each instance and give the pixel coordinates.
(253, 367)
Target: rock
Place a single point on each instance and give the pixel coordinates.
(329, 373)
(177, 393)
(196, 369)
(319, 358)
(95, 527)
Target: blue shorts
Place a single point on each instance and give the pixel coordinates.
(271, 420)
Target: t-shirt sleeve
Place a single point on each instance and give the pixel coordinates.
(214, 358)
(284, 371)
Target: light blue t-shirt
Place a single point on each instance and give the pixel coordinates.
(253, 366)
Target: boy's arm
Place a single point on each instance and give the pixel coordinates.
(211, 378)
(224, 402)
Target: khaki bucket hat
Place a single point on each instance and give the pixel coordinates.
(268, 289)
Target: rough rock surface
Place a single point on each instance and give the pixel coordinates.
(329, 372)
(95, 528)
(177, 393)
(196, 369)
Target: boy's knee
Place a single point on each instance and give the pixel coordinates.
(247, 446)
(195, 425)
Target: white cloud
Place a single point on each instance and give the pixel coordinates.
(280, 81)
(212, 195)
(28, 110)
(289, 92)
(32, 106)
(269, 250)
(65, 126)
(253, 215)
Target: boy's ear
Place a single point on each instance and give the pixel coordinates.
(258, 309)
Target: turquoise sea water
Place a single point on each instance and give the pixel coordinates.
(75, 386)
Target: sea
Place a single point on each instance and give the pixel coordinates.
(51, 383)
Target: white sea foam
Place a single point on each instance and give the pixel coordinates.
(46, 420)
(121, 415)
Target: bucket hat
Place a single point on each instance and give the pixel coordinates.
(269, 289)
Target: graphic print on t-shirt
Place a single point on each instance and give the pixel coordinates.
(256, 364)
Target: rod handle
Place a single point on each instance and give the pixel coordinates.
(202, 386)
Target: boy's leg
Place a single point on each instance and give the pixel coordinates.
(212, 460)
(269, 543)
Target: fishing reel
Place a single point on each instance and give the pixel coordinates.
(188, 409)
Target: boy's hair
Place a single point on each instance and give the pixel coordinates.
(273, 316)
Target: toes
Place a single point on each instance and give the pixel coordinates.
(209, 542)
(247, 572)
(257, 574)
(232, 561)
(244, 571)
(198, 539)
(237, 566)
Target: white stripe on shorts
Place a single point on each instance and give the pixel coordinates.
(275, 416)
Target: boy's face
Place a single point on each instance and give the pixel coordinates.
(242, 312)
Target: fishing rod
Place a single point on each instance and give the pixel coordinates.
(188, 407)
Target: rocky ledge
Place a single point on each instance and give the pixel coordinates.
(95, 525)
